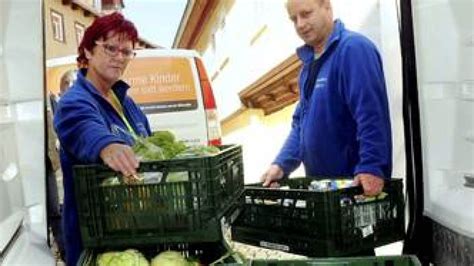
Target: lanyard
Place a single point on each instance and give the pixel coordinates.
(119, 108)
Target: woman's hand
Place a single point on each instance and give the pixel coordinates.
(120, 158)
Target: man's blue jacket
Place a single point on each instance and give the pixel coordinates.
(86, 123)
(341, 126)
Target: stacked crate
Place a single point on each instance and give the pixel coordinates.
(183, 214)
(330, 223)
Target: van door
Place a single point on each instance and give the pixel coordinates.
(23, 229)
(438, 61)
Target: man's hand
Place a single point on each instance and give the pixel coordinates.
(272, 175)
(371, 184)
(120, 158)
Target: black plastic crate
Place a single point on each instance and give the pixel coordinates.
(359, 261)
(318, 224)
(188, 210)
(217, 253)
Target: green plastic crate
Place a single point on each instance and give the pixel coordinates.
(167, 212)
(217, 253)
(356, 261)
(318, 224)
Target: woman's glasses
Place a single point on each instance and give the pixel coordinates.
(113, 50)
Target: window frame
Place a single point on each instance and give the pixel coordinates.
(57, 26)
(79, 30)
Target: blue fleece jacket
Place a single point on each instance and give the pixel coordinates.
(341, 126)
(86, 123)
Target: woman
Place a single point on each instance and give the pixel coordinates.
(96, 121)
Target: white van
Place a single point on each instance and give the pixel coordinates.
(171, 87)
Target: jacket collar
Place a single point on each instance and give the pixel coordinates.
(120, 87)
(306, 52)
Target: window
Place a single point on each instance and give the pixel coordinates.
(79, 30)
(57, 22)
(98, 4)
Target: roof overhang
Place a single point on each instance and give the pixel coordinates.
(192, 25)
(276, 89)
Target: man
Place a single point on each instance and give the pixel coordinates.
(67, 79)
(341, 125)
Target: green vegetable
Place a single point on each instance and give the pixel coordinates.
(129, 257)
(162, 145)
(147, 150)
(171, 258)
(167, 141)
(105, 259)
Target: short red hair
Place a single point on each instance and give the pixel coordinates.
(100, 29)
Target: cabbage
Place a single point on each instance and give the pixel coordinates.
(170, 258)
(129, 257)
(105, 259)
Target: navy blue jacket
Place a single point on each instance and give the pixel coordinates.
(341, 126)
(86, 123)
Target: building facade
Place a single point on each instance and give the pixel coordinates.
(66, 21)
(65, 25)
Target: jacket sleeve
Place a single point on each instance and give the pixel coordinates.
(363, 87)
(289, 156)
(81, 130)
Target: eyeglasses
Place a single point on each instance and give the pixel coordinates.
(113, 50)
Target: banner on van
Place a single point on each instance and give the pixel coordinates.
(158, 84)
(162, 84)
